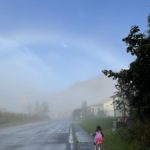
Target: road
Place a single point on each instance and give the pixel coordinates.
(36, 136)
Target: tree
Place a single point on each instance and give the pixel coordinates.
(86, 112)
(45, 109)
(76, 114)
(84, 109)
(42, 109)
(121, 104)
(133, 84)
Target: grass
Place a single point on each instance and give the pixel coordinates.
(112, 140)
(11, 119)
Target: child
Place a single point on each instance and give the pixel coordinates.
(98, 136)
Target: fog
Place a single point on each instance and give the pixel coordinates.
(54, 52)
(18, 95)
(93, 91)
(52, 55)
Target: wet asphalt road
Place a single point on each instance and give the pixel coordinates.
(36, 136)
(85, 141)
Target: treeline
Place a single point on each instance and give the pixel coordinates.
(83, 112)
(14, 118)
(37, 112)
(133, 86)
(38, 109)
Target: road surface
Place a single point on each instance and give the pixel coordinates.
(36, 136)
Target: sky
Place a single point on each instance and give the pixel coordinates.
(49, 45)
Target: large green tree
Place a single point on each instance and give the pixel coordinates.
(133, 84)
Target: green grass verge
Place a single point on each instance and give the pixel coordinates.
(11, 119)
(112, 140)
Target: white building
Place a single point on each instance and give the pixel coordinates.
(106, 107)
(96, 108)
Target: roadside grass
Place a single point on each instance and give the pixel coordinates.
(112, 140)
(12, 119)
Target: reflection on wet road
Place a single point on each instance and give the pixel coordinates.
(36, 136)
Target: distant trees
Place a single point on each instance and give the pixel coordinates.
(133, 84)
(15, 118)
(76, 114)
(37, 112)
(42, 109)
(83, 112)
(38, 108)
(84, 109)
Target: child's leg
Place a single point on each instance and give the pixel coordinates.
(99, 147)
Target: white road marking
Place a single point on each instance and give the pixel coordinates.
(71, 139)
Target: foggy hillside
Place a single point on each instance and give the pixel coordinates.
(21, 99)
(93, 91)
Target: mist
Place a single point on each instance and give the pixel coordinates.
(56, 56)
(28, 76)
(92, 91)
(18, 94)
(53, 94)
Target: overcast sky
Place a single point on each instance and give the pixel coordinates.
(48, 45)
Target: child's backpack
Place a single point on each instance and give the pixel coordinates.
(98, 138)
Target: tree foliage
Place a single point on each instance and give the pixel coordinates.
(133, 84)
(76, 114)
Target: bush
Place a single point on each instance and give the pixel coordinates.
(141, 132)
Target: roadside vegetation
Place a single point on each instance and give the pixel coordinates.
(113, 140)
(11, 119)
(37, 112)
(133, 88)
